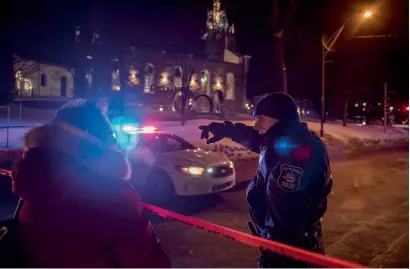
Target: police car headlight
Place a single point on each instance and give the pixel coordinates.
(192, 170)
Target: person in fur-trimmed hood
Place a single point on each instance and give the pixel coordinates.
(79, 210)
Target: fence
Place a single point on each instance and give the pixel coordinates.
(12, 127)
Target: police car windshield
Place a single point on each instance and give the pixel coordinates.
(164, 142)
(173, 143)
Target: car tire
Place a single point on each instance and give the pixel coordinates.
(159, 184)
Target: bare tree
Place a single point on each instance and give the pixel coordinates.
(25, 67)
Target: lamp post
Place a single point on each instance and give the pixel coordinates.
(327, 46)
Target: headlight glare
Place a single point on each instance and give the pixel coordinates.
(192, 170)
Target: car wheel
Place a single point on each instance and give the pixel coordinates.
(159, 185)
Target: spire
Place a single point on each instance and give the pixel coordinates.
(217, 19)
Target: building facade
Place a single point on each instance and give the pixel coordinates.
(146, 77)
(33, 79)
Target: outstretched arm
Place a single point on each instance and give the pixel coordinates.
(247, 137)
(238, 132)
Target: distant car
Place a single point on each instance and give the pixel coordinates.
(165, 164)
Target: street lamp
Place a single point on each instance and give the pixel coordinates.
(367, 14)
(327, 46)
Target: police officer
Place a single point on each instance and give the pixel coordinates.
(287, 197)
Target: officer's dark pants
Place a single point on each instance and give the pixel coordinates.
(313, 242)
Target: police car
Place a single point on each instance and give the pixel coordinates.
(165, 164)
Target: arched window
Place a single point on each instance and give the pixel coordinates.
(204, 81)
(43, 79)
(177, 77)
(230, 89)
(19, 80)
(148, 77)
(63, 86)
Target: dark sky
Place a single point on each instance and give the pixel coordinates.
(177, 26)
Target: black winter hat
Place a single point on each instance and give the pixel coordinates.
(277, 105)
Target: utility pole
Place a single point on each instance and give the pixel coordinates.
(385, 106)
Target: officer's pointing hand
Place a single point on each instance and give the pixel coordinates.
(216, 129)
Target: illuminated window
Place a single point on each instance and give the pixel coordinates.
(115, 80)
(230, 90)
(177, 77)
(205, 82)
(148, 77)
(193, 83)
(27, 87)
(164, 79)
(89, 78)
(19, 79)
(133, 77)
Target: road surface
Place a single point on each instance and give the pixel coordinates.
(366, 222)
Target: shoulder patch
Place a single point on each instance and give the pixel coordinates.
(289, 178)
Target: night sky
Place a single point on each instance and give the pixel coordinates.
(176, 26)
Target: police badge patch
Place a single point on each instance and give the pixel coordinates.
(289, 178)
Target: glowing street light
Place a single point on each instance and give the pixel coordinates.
(367, 14)
(327, 47)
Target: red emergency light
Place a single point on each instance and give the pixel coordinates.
(149, 129)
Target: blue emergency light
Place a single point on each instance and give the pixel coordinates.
(125, 132)
(284, 146)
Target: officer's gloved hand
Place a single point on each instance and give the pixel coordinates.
(218, 130)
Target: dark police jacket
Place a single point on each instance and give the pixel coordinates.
(287, 196)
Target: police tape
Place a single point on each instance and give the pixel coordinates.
(5, 172)
(247, 239)
(250, 240)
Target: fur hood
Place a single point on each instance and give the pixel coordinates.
(87, 150)
(59, 157)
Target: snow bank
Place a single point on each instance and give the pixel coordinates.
(358, 132)
(338, 139)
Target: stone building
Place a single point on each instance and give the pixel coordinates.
(155, 77)
(152, 78)
(34, 79)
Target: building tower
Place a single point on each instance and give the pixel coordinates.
(219, 35)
